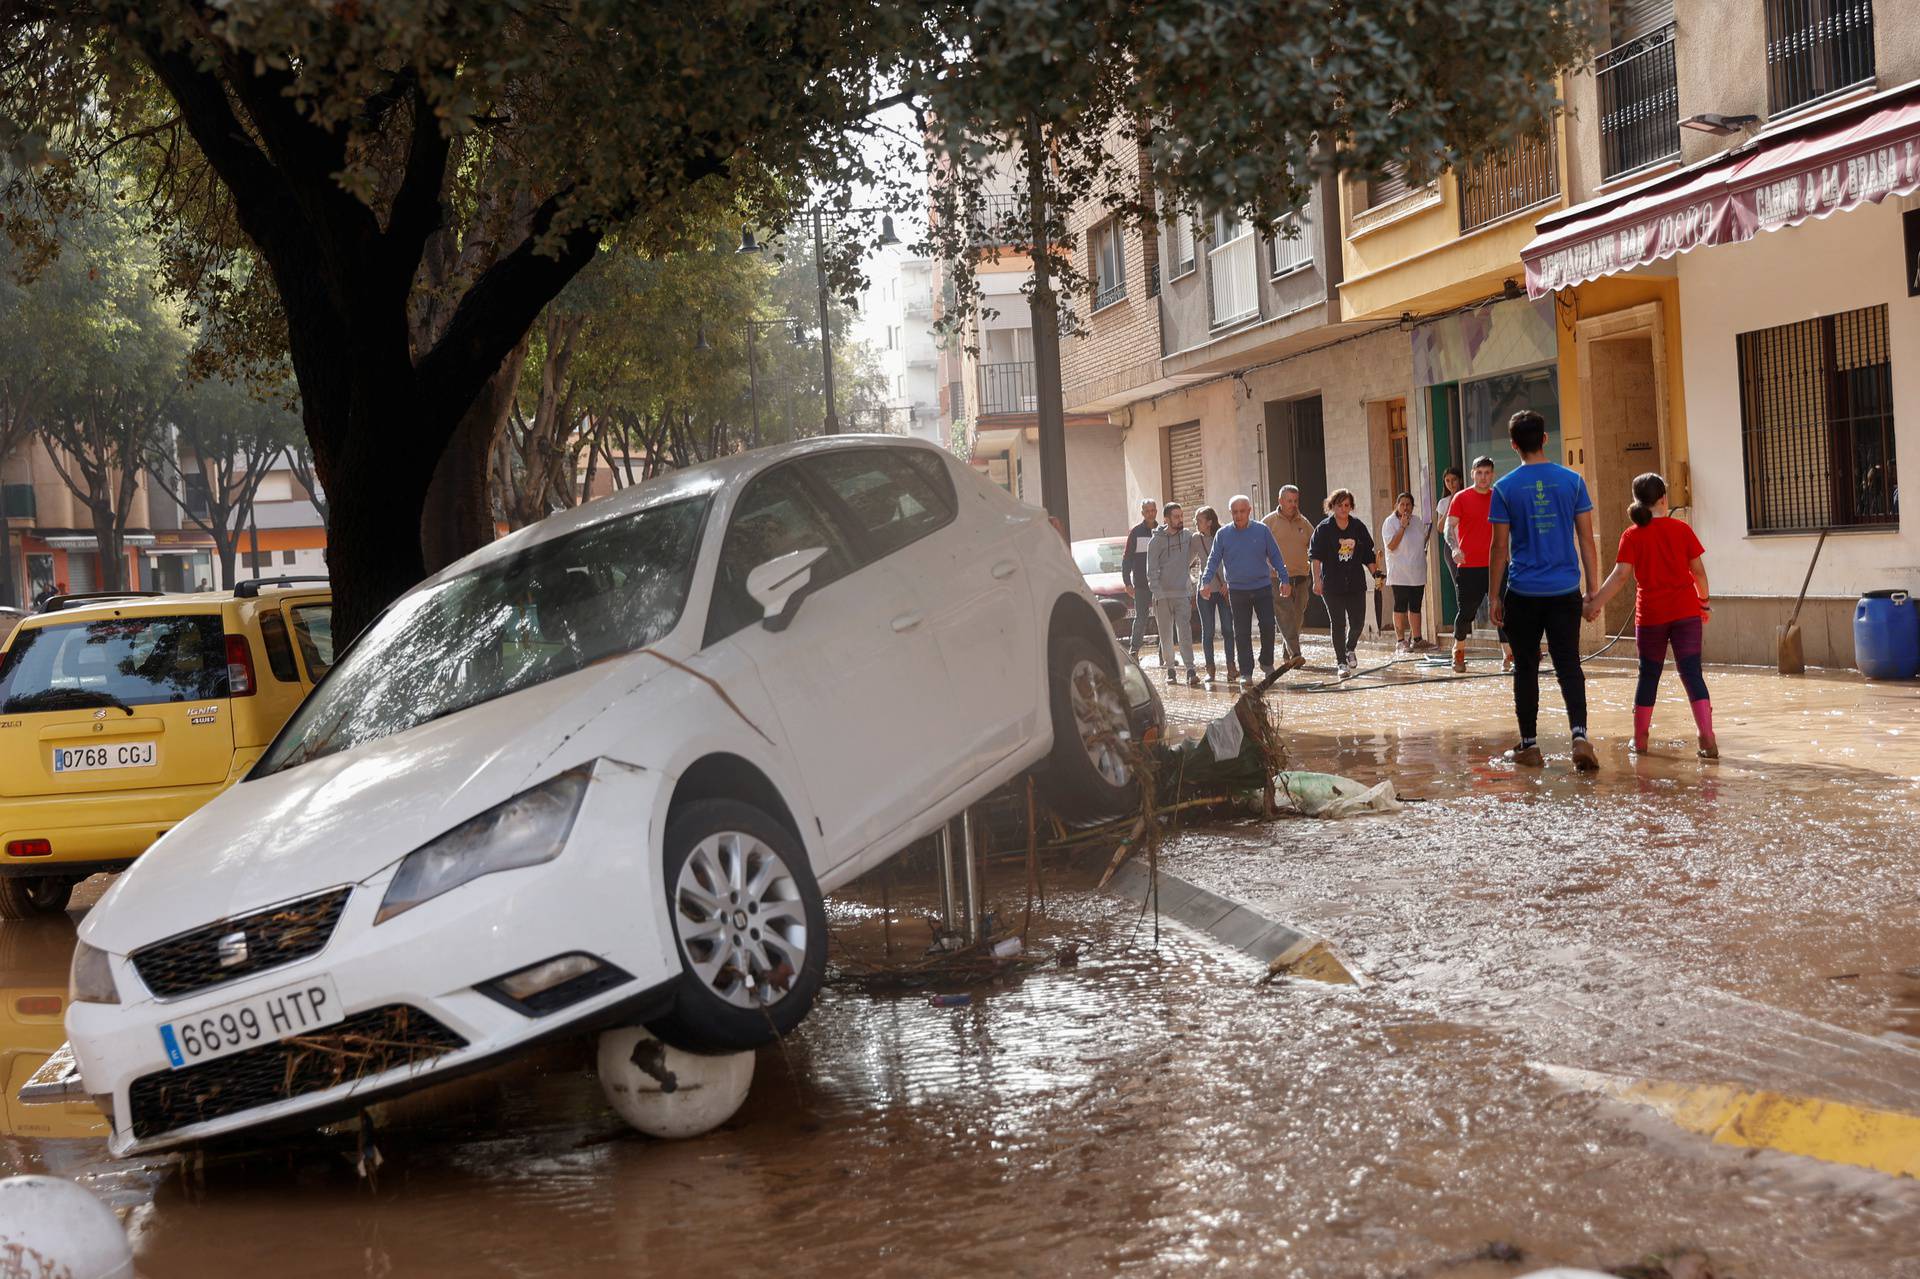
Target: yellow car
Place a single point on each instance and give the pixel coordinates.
(33, 998)
(120, 716)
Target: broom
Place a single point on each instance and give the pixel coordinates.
(1792, 660)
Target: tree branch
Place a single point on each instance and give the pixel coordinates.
(417, 210)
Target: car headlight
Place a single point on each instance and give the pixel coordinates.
(526, 830)
(91, 979)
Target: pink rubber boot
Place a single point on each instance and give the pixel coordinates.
(1642, 724)
(1703, 716)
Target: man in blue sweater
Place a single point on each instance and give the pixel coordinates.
(1252, 559)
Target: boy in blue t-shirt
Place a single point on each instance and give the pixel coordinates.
(1542, 523)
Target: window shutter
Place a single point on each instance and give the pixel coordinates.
(1388, 185)
(1634, 18)
(1186, 473)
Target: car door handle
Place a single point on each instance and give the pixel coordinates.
(907, 621)
(1005, 569)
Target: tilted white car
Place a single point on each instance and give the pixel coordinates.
(599, 772)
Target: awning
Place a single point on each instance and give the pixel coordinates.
(1864, 154)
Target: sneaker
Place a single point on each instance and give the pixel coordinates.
(1173, 676)
(1193, 678)
(1266, 673)
(1526, 757)
(1295, 662)
(1459, 655)
(1233, 676)
(1584, 757)
(1342, 671)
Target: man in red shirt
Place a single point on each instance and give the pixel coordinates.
(1469, 528)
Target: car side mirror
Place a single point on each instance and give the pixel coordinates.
(778, 585)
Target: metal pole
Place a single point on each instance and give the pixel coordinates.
(1045, 318)
(753, 393)
(973, 878)
(946, 879)
(826, 323)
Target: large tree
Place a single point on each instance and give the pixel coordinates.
(341, 138)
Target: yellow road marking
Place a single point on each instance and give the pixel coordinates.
(1883, 1140)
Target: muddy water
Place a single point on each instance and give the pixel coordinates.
(1156, 1110)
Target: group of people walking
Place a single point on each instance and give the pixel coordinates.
(1522, 544)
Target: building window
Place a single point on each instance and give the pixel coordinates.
(194, 494)
(1816, 48)
(1186, 470)
(19, 502)
(287, 557)
(1109, 270)
(1387, 185)
(1639, 90)
(1231, 265)
(1180, 238)
(1816, 424)
(1292, 250)
(1503, 184)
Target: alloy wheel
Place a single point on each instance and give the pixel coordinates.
(741, 921)
(1100, 715)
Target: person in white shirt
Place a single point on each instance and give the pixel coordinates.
(1406, 537)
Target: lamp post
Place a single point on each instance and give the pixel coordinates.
(753, 390)
(819, 215)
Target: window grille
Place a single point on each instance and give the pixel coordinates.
(1817, 48)
(1816, 424)
(1639, 102)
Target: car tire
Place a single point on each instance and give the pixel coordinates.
(32, 896)
(725, 856)
(1088, 775)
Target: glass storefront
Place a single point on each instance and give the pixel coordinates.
(1487, 403)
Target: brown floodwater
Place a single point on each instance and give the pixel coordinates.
(1156, 1109)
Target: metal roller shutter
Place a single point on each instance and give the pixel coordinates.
(1633, 18)
(1186, 473)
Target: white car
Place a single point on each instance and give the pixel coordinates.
(599, 773)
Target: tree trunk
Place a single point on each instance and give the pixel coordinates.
(373, 545)
(106, 535)
(458, 516)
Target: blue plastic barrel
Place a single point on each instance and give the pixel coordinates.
(1886, 635)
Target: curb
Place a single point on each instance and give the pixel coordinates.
(1231, 923)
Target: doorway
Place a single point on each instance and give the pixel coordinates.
(1621, 390)
(1297, 455)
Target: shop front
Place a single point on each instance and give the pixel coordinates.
(1799, 383)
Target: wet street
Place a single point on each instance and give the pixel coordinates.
(1155, 1108)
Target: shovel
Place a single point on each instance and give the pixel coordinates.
(1792, 660)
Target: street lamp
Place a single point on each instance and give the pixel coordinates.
(819, 215)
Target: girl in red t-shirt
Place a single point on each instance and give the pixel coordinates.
(1670, 605)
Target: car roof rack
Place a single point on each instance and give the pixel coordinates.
(73, 600)
(249, 588)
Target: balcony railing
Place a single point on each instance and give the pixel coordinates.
(1234, 270)
(956, 400)
(1003, 220)
(1639, 103)
(1501, 185)
(1007, 388)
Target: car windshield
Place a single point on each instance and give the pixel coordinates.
(548, 611)
(118, 662)
(1099, 557)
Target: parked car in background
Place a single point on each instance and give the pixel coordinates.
(1098, 559)
(121, 715)
(600, 772)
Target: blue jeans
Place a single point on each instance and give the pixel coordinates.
(1248, 605)
(1215, 610)
(1142, 610)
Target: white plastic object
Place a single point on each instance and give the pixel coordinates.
(59, 1228)
(665, 1092)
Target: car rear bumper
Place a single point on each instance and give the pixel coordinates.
(95, 828)
(36, 867)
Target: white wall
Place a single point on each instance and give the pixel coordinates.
(1847, 261)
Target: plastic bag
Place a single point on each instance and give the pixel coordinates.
(1326, 795)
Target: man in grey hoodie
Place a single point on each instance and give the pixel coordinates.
(1173, 558)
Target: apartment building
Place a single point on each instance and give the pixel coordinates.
(49, 539)
(1734, 289)
(895, 319)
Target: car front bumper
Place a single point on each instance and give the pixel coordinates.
(601, 897)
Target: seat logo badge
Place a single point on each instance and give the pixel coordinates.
(232, 950)
(101, 713)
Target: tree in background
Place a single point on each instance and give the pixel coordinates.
(99, 359)
(223, 440)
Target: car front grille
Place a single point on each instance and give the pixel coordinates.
(192, 960)
(364, 1045)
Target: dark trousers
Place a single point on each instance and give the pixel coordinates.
(1248, 605)
(1685, 637)
(1471, 586)
(1215, 613)
(1347, 614)
(1557, 617)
